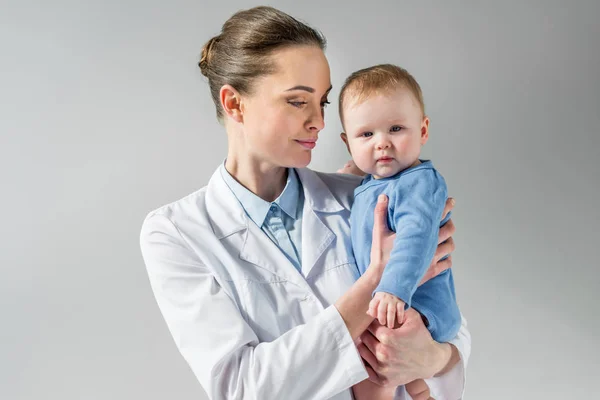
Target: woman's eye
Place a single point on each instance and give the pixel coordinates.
(367, 134)
(297, 103)
(396, 128)
(324, 103)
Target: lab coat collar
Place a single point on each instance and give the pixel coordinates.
(316, 193)
(224, 211)
(227, 217)
(257, 208)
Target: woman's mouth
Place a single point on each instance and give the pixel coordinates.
(307, 144)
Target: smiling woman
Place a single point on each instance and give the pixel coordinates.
(282, 124)
(254, 273)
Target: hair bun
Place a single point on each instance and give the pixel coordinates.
(204, 63)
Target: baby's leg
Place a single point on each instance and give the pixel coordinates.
(418, 390)
(367, 390)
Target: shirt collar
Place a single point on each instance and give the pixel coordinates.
(424, 164)
(257, 208)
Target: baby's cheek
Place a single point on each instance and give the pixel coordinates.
(364, 163)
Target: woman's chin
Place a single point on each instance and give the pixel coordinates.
(303, 160)
(297, 160)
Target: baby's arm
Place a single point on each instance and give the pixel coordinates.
(416, 207)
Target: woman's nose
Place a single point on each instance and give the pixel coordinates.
(317, 120)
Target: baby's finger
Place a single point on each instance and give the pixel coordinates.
(382, 313)
(373, 307)
(400, 312)
(391, 315)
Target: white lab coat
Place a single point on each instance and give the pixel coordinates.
(247, 322)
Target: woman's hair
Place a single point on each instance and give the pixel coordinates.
(378, 79)
(241, 52)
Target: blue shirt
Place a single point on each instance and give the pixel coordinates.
(417, 197)
(281, 219)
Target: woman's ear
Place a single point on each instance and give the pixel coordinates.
(345, 140)
(231, 102)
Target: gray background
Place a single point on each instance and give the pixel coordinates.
(105, 116)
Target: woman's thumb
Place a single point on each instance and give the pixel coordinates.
(381, 212)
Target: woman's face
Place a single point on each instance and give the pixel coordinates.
(283, 116)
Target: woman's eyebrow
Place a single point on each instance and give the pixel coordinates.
(306, 89)
(301, 87)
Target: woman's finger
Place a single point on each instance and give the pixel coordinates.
(379, 231)
(436, 269)
(373, 377)
(380, 217)
(446, 231)
(450, 202)
(443, 250)
(371, 343)
(367, 355)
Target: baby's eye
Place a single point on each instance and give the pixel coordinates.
(396, 128)
(367, 134)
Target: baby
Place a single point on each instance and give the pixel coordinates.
(383, 117)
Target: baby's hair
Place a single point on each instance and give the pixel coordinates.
(378, 79)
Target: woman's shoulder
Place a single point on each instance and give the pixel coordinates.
(341, 181)
(341, 186)
(177, 215)
(182, 207)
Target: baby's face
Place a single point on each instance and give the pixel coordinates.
(385, 132)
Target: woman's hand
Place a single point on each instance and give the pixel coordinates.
(401, 355)
(445, 246)
(350, 168)
(353, 304)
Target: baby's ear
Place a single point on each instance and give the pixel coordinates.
(424, 130)
(345, 140)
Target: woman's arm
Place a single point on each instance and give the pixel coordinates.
(224, 352)
(222, 349)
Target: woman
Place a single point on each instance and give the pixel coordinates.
(254, 273)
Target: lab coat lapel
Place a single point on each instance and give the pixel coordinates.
(259, 250)
(230, 222)
(316, 235)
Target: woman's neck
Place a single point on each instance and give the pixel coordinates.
(261, 178)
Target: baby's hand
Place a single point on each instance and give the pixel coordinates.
(386, 308)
